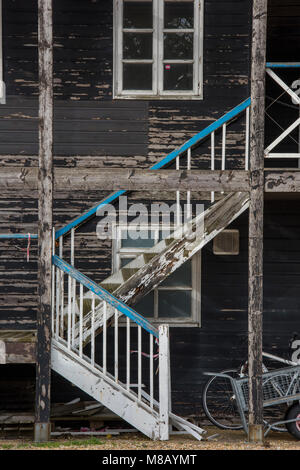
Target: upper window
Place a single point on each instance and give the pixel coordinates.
(158, 48)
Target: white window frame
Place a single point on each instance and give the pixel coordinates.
(190, 321)
(157, 91)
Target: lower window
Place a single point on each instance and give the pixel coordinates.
(176, 300)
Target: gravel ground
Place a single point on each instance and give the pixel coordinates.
(226, 440)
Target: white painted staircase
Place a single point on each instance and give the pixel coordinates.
(106, 376)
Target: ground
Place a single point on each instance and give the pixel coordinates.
(226, 440)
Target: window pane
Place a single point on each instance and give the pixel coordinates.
(182, 277)
(174, 304)
(179, 15)
(178, 77)
(137, 46)
(145, 240)
(138, 15)
(146, 306)
(178, 46)
(137, 76)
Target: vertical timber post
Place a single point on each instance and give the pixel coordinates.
(164, 382)
(42, 426)
(256, 217)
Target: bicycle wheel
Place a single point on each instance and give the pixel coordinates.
(219, 402)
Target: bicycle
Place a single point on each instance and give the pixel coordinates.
(219, 401)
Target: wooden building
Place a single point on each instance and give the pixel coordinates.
(137, 85)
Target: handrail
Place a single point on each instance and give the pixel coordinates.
(105, 295)
(21, 236)
(282, 65)
(165, 161)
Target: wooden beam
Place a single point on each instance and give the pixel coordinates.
(282, 181)
(45, 190)
(259, 32)
(113, 179)
(97, 179)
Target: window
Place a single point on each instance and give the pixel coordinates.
(176, 300)
(227, 243)
(158, 49)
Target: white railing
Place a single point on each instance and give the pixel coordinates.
(269, 151)
(126, 354)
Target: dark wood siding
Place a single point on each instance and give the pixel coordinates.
(91, 129)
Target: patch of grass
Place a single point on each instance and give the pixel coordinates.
(93, 441)
(6, 446)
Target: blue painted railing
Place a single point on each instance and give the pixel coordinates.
(20, 236)
(282, 65)
(104, 295)
(162, 163)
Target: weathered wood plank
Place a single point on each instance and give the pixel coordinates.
(109, 179)
(282, 181)
(113, 179)
(45, 188)
(256, 219)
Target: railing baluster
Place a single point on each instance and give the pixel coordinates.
(69, 310)
(139, 362)
(62, 288)
(116, 355)
(93, 331)
(189, 161)
(177, 197)
(104, 336)
(73, 284)
(212, 136)
(223, 149)
(128, 353)
(72, 246)
(58, 298)
(53, 283)
(151, 371)
(73, 309)
(247, 139)
(223, 146)
(80, 319)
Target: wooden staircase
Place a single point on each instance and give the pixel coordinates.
(108, 379)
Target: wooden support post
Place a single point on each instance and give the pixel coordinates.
(164, 382)
(45, 187)
(256, 219)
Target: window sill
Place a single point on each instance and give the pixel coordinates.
(159, 98)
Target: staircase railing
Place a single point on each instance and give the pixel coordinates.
(125, 354)
(286, 132)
